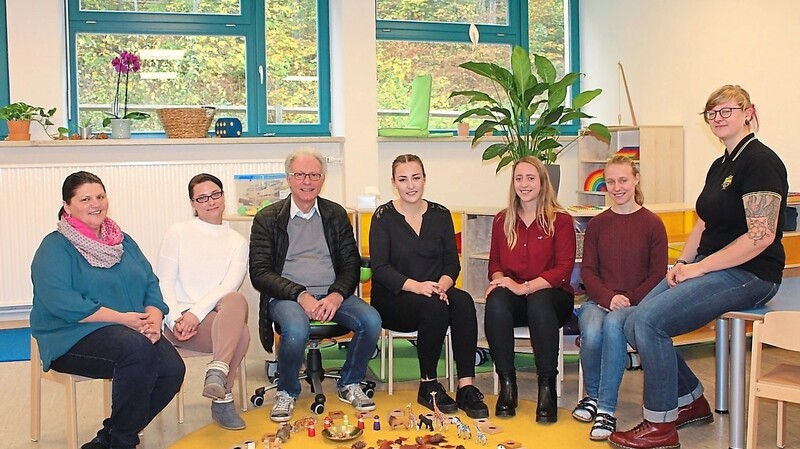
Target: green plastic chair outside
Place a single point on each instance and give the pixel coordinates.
(419, 111)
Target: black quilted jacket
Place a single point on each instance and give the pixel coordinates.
(269, 242)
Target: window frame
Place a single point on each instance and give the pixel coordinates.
(515, 32)
(250, 24)
(5, 94)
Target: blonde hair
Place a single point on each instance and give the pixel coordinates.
(619, 159)
(735, 93)
(546, 205)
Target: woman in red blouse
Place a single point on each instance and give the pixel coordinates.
(530, 263)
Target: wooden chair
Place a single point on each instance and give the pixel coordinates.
(186, 353)
(68, 381)
(523, 333)
(388, 336)
(782, 330)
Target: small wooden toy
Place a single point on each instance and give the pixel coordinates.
(376, 423)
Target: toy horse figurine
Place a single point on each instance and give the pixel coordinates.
(463, 429)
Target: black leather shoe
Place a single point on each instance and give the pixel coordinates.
(96, 443)
(424, 397)
(547, 406)
(507, 399)
(470, 399)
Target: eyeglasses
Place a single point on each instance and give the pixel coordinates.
(301, 176)
(204, 198)
(724, 113)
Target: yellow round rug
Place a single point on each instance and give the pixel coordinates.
(521, 429)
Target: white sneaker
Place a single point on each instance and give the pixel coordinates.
(355, 396)
(282, 410)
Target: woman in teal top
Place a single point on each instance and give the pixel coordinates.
(97, 312)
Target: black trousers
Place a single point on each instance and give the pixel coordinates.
(430, 317)
(544, 312)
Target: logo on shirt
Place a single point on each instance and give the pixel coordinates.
(727, 182)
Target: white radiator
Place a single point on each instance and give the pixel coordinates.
(144, 198)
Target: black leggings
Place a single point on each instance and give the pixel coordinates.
(544, 311)
(408, 312)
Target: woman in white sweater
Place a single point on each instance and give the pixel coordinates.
(201, 266)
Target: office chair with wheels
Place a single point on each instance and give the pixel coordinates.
(314, 373)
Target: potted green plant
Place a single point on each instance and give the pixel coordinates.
(19, 116)
(120, 118)
(527, 109)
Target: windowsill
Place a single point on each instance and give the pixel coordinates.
(164, 141)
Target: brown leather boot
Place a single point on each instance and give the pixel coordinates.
(696, 413)
(647, 435)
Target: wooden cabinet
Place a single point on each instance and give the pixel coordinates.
(660, 160)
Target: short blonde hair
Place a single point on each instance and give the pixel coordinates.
(735, 93)
(306, 151)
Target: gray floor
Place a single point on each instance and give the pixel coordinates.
(164, 430)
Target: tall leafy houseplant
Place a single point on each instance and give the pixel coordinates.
(527, 108)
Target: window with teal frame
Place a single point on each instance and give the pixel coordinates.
(265, 62)
(434, 37)
(4, 92)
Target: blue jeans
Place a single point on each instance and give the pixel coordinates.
(667, 312)
(603, 352)
(144, 378)
(354, 314)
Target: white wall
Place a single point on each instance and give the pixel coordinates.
(675, 53)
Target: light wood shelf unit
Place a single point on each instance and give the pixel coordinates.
(660, 161)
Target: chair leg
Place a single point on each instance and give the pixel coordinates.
(383, 353)
(752, 418)
(781, 424)
(581, 392)
(496, 388)
(390, 361)
(560, 377)
(243, 385)
(36, 393)
(72, 416)
(180, 404)
(449, 368)
(107, 396)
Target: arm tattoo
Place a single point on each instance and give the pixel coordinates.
(761, 210)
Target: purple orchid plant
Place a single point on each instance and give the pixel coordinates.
(124, 64)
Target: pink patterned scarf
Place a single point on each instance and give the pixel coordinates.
(103, 252)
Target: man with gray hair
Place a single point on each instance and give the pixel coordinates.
(305, 263)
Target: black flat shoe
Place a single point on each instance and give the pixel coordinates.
(424, 397)
(470, 400)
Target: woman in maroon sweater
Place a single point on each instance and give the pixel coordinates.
(530, 263)
(624, 257)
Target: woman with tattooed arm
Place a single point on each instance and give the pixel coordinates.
(732, 260)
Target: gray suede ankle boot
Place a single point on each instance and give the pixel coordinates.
(225, 414)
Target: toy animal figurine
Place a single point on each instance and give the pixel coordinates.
(424, 421)
(396, 422)
(480, 436)
(412, 422)
(463, 429)
(439, 419)
(284, 433)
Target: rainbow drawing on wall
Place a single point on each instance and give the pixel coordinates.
(631, 152)
(595, 182)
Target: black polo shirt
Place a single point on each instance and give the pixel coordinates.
(751, 167)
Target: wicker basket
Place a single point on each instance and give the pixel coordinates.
(184, 123)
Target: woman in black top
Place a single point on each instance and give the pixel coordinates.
(732, 260)
(415, 265)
